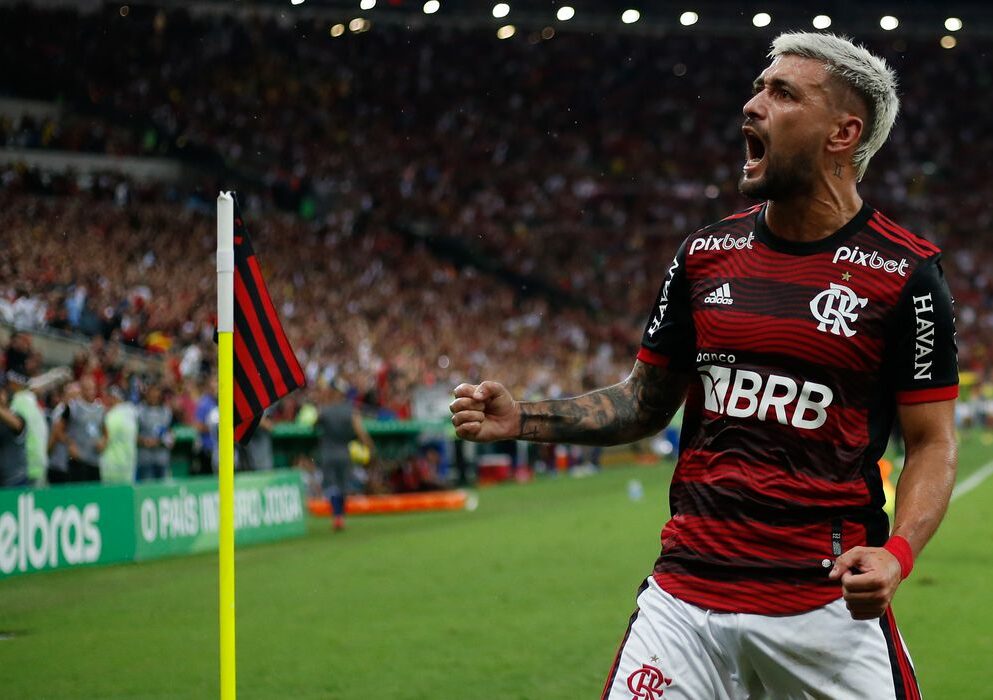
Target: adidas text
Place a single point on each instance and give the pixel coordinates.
(721, 295)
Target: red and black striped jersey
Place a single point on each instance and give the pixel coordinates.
(802, 352)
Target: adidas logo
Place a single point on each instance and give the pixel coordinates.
(721, 295)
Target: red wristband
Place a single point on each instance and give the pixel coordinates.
(900, 548)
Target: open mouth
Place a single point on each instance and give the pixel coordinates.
(754, 148)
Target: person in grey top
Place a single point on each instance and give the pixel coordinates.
(13, 434)
(338, 423)
(80, 429)
(258, 451)
(154, 437)
(58, 451)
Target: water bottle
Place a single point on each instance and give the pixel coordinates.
(635, 490)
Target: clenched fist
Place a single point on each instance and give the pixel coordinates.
(869, 577)
(485, 412)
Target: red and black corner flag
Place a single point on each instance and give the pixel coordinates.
(265, 368)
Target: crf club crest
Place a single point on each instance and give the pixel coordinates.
(835, 308)
(648, 683)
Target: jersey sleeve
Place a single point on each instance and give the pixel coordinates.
(20, 404)
(925, 354)
(669, 339)
(18, 409)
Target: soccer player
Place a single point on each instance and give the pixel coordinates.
(795, 331)
(338, 423)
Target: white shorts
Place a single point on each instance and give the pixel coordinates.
(673, 650)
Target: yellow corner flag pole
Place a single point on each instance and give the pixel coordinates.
(225, 437)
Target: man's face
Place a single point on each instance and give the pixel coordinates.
(88, 388)
(786, 122)
(154, 395)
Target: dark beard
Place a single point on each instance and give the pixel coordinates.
(791, 178)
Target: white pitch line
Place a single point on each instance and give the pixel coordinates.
(972, 481)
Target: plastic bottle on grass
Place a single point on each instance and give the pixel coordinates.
(635, 490)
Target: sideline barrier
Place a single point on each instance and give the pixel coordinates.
(395, 503)
(395, 439)
(68, 526)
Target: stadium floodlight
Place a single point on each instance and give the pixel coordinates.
(630, 16)
(359, 25)
(297, 2)
(337, 30)
(431, 6)
(565, 13)
(506, 31)
(953, 24)
(762, 19)
(367, 4)
(501, 9)
(889, 22)
(822, 22)
(688, 18)
(948, 42)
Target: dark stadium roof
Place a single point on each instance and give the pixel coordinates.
(916, 17)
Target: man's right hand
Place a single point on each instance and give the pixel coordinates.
(485, 412)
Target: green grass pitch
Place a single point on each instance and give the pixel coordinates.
(524, 598)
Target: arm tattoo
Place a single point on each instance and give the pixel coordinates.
(641, 405)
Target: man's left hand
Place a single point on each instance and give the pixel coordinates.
(869, 578)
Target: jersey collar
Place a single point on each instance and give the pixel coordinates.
(766, 236)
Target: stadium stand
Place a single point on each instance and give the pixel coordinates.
(396, 204)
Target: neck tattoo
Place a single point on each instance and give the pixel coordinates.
(837, 169)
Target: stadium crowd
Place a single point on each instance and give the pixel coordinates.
(577, 163)
(74, 133)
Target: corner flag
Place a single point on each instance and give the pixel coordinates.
(265, 368)
(255, 368)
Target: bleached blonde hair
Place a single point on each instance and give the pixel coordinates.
(868, 75)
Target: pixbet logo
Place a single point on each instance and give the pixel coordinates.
(34, 539)
(834, 309)
(742, 394)
(871, 260)
(648, 683)
(725, 242)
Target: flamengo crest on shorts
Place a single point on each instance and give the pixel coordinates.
(648, 683)
(802, 352)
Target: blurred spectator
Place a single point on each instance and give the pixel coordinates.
(258, 451)
(185, 402)
(154, 435)
(13, 434)
(206, 424)
(25, 403)
(18, 352)
(58, 448)
(80, 428)
(119, 457)
(419, 473)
